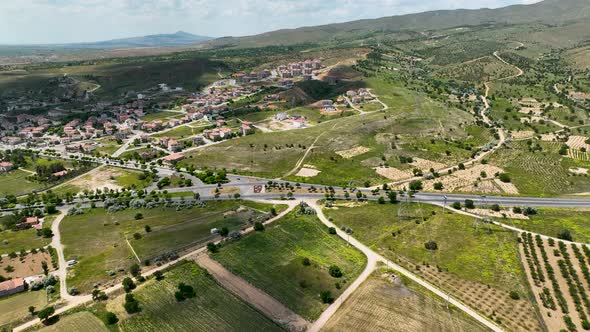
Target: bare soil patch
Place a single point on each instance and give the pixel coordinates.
(579, 170)
(393, 173)
(577, 142)
(27, 266)
(351, 153)
(308, 171)
(523, 134)
(507, 213)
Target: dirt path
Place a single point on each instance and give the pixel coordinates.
(372, 259)
(252, 295)
(520, 71)
(300, 162)
(62, 271)
(132, 250)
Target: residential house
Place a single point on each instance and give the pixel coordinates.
(6, 166)
(12, 286)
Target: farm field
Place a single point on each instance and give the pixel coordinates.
(15, 183)
(558, 273)
(15, 307)
(80, 321)
(550, 222)
(171, 230)
(385, 303)
(214, 308)
(541, 173)
(26, 266)
(480, 267)
(272, 261)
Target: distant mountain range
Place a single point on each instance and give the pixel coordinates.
(179, 38)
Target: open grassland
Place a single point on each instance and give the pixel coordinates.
(479, 267)
(80, 321)
(15, 183)
(384, 303)
(484, 69)
(98, 238)
(160, 115)
(272, 260)
(15, 307)
(417, 118)
(550, 222)
(213, 309)
(107, 146)
(541, 173)
(17, 240)
(181, 132)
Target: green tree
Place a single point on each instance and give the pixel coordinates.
(258, 226)
(335, 271)
(469, 204)
(128, 285)
(416, 185)
(32, 310)
(46, 313)
(111, 318)
(392, 195)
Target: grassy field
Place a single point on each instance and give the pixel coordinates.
(466, 263)
(15, 307)
(97, 238)
(181, 132)
(386, 304)
(550, 222)
(17, 240)
(410, 115)
(214, 308)
(15, 183)
(107, 176)
(80, 321)
(272, 261)
(161, 115)
(108, 146)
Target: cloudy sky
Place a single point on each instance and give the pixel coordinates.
(64, 21)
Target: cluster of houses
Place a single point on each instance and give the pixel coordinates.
(296, 121)
(306, 69)
(359, 96)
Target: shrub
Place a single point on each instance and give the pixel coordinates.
(495, 207)
(306, 261)
(438, 186)
(332, 230)
(335, 271)
(514, 295)
(258, 226)
(138, 216)
(111, 318)
(134, 270)
(565, 235)
(184, 292)
(137, 236)
(469, 204)
(381, 200)
(504, 177)
(456, 205)
(326, 297)
(147, 228)
(212, 247)
(131, 304)
(517, 209)
(46, 313)
(431, 245)
(128, 285)
(416, 185)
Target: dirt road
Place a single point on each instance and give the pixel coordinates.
(252, 295)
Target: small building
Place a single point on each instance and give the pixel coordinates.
(60, 174)
(12, 286)
(6, 166)
(173, 158)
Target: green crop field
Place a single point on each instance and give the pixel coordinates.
(97, 238)
(272, 261)
(213, 309)
(80, 321)
(15, 307)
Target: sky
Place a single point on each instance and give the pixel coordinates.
(67, 21)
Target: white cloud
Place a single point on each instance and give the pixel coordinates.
(52, 21)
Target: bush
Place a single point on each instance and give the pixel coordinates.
(381, 200)
(224, 231)
(495, 207)
(258, 226)
(469, 204)
(46, 313)
(456, 206)
(335, 271)
(128, 285)
(326, 297)
(158, 275)
(416, 185)
(134, 270)
(212, 247)
(517, 210)
(111, 318)
(565, 235)
(431, 245)
(138, 216)
(514, 295)
(137, 236)
(131, 304)
(147, 228)
(438, 186)
(306, 261)
(504, 177)
(184, 292)
(332, 230)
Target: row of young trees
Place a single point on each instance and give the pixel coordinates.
(576, 290)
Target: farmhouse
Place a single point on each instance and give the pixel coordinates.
(6, 166)
(173, 158)
(13, 286)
